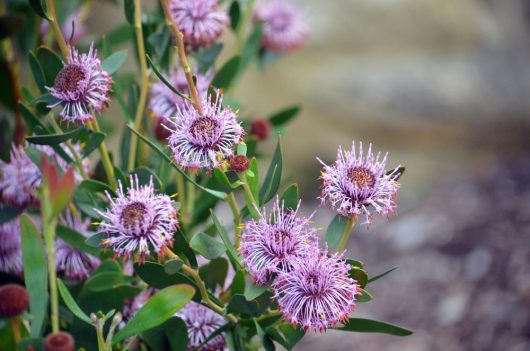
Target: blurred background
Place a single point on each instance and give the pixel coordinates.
(444, 87)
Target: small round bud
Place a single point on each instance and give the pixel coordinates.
(14, 300)
(261, 128)
(161, 132)
(239, 163)
(60, 341)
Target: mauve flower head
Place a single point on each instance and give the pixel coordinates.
(318, 292)
(81, 86)
(283, 27)
(11, 248)
(18, 179)
(354, 182)
(204, 140)
(71, 263)
(201, 322)
(271, 245)
(164, 103)
(139, 221)
(201, 21)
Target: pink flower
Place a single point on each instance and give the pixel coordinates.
(11, 248)
(19, 178)
(201, 322)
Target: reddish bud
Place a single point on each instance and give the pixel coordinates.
(261, 128)
(60, 341)
(14, 300)
(160, 131)
(239, 163)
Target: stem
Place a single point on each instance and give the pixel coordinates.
(101, 339)
(248, 192)
(56, 29)
(15, 326)
(144, 82)
(49, 223)
(243, 25)
(237, 216)
(105, 159)
(346, 234)
(70, 147)
(190, 197)
(182, 199)
(179, 37)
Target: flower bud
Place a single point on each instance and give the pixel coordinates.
(261, 128)
(14, 300)
(239, 163)
(60, 341)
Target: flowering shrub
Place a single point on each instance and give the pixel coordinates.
(127, 250)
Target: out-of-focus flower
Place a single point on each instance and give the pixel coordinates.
(139, 221)
(10, 248)
(70, 262)
(261, 128)
(14, 300)
(18, 178)
(164, 103)
(60, 341)
(81, 86)
(201, 322)
(271, 245)
(354, 182)
(204, 140)
(201, 21)
(283, 27)
(74, 26)
(318, 292)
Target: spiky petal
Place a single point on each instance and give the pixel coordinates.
(355, 183)
(203, 141)
(271, 245)
(201, 322)
(81, 86)
(138, 221)
(10, 247)
(201, 21)
(318, 292)
(283, 27)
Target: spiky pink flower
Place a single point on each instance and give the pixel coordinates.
(271, 245)
(81, 86)
(201, 21)
(72, 263)
(201, 322)
(318, 292)
(204, 140)
(139, 221)
(283, 27)
(10, 247)
(164, 103)
(18, 179)
(354, 182)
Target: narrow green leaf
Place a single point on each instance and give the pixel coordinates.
(252, 176)
(381, 275)
(373, 326)
(176, 333)
(274, 174)
(71, 304)
(235, 13)
(96, 138)
(207, 246)
(128, 6)
(398, 172)
(207, 56)
(51, 62)
(290, 196)
(76, 239)
(39, 6)
(284, 116)
(219, 194)
(54, 139)
(251, 47)
(226, 75)
(112, 63)
(238, 283)
(35, 273)
(146, 174)
(95, 186)
(107, 281)
(156, 310)
(38, 72)
(165, 81)
(335, 230)
(30, 118)
(266, 341)
(231, 251)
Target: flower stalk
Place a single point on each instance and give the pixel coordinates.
(346, 234)
(105, 158)
(56, 29)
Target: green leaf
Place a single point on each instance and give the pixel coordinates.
(359, 275)
(156, 310)
(207, 56)
(54, 139)
(76, 239)
(381, 275)
(226, 75)
(96, 138)
(95, 186)
(218, 194)
(238, 304)
(34, 344)
(292, 335)
(363, 296)
(253, 291)
(51, 62)
(398, 172)
(221, 177)
(39, 6)
(266, 341)
(231, 251)
(238, 283)
(30, 117)
(272, 179)
(207, 246)
(8, 213)
(290, 197)
(38, 72)
(112, 63)
(355, 263)
(173, 266)
(42, 102)
(95, 240)
(176, 333)
(235, 13)
(373, 326)
(251, 47)
(35, 274)
(144, 176)
(335, 230)
(71, 304)
(284, 116)
(107, 281)
(128, 6)
(252, 176)
(165, 81)
(214, 273)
